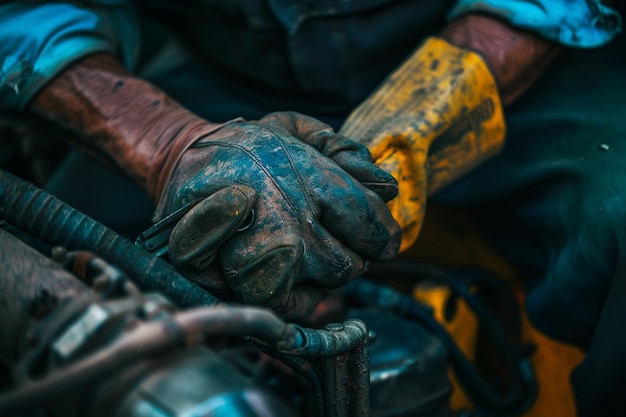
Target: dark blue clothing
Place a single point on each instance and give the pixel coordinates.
(554, 203)
(318, 48)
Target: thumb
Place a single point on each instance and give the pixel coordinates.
(268, 278)
(197, 237)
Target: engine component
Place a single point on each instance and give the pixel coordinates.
(115, 331)
(408, 367)
(116, 352)
(521, 389)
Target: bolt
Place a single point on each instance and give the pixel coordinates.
(334, 327)
(59, 254)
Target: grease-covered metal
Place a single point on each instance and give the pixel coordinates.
(32, 286)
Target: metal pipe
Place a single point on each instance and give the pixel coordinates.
(347, 380)
(148, 339)
(325, 342)
(186, 327)
(360, 375)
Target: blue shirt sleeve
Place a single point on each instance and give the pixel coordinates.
(38, 40)
(577, 23)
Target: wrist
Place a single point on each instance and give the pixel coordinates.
(123, 118)
(515, 57)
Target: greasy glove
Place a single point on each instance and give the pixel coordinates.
(439, 114)
(277, 217)
(283, 219)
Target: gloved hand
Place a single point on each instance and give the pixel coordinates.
(284, 220)
(439, 114)
(316, 219)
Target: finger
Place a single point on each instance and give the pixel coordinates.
(353, 157)
(301, 302)
(329, 262)
(211, 278)
(299, 125)
(267, 279)
(368, 174)
(361, 219)
(197, 237)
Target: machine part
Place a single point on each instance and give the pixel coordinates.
(68, 346)
(346, 380)
(194, 382)
(156, 239)
(190, 328)
(106, 279)
(32, 287)
(521, 388)
(159, 371)
(408, 367)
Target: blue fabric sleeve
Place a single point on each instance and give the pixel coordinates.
(37, 41)
(577, 23)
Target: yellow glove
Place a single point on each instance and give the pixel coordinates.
(435, 118)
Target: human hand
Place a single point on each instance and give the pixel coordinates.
(316, 219)
(279, 218)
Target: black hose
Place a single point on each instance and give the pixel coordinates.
(307, 370)
(42, 215)
(332, 341)
(510, 354)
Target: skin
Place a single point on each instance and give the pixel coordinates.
(515, 57)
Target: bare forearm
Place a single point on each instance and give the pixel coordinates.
(516, 57)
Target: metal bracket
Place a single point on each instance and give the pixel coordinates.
(156, 239)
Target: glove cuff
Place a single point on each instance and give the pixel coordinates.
(122, 119)
(179, 136)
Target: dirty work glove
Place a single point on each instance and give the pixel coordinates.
(284, 220)
(284, 205)
(439, 114)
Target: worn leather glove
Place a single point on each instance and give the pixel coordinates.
(313, 226)
(440, 114)
(307, 225)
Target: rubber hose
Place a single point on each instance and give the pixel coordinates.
(45, 217)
